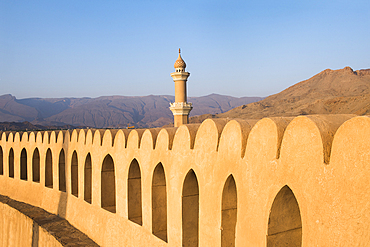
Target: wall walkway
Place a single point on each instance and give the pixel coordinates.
(26, 225)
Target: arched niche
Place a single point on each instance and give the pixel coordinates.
(74, 174)
(36, 166)
(23, 164)
(108, 185)
(190, 211)
(49, 169)
(88, 179)
(134, 193)
(62, 171)
(229, 213)
(11, 163)
(159, 203)
(285, 224)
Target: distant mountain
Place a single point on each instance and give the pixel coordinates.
(329, 92)
(26, 126)
(109, 111)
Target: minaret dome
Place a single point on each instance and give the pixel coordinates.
(180, 64)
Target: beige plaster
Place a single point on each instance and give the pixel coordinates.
(16, 229)
(322, 159)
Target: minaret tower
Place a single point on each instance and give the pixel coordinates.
(180, 108)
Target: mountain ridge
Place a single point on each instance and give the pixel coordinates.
(109, 111)
(342, 91)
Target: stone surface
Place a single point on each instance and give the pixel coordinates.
(59, 228)
(319, 163)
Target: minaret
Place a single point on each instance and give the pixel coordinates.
(180, 108)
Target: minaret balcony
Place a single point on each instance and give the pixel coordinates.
(180, 76)
(181, 108)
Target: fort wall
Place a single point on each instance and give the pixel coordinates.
(19, 230)
(302, 181)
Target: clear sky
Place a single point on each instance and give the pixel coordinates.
(77, 48)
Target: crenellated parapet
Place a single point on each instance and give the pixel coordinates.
(229, 180)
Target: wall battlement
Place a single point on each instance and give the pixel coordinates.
(302, 181)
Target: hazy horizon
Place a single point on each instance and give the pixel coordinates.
(237, 48)
(117, 95)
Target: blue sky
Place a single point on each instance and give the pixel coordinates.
(76, 48)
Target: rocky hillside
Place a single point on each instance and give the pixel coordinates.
(329, 92)
(109, 111)
(25, 126)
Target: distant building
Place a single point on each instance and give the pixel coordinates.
(180, 108)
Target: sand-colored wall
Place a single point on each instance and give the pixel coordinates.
(16, 229)
(321, 160)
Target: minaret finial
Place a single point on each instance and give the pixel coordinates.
(179, 50)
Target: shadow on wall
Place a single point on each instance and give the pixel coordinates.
(36, 166)
(62, 205)
(35, 234)
(62, 171)
(134, 193)
(108, 185)
(285, 224)
(190, 210)
(159, 202)
(47, 229)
